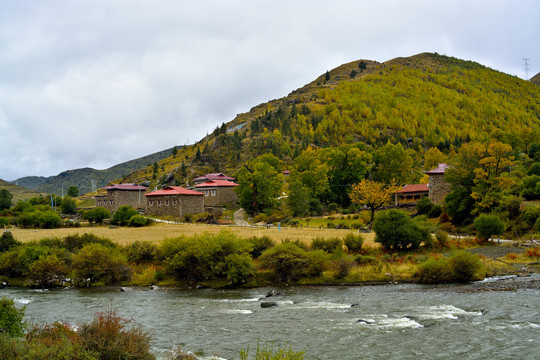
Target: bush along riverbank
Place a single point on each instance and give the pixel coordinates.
(226, 260)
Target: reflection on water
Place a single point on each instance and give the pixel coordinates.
(384, 322)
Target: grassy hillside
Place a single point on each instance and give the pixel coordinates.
(535, 79)
(85, 178)
(18, 192)
(423, 101)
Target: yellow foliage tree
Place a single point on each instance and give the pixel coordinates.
(372, 194)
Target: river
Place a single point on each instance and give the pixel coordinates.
(364, 322)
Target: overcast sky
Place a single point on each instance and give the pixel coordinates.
(98, 82)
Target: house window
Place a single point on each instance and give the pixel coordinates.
(159, 203)
(166, 202)
(175, 202)
(213, 192)
(150, 203)
(205, 192)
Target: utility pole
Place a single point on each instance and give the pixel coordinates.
(526, 67)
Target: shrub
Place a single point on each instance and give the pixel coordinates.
(47, 271)
(354, 243)
(363, 260)
(290, 262)
(533, 252)
(141, 252)
(123, 214)
(435, 211)
(488, 225)
(465, 267)
(260, 218)
(442, 238)
(49, 220)
(394, 229)
(7, 241)
(202, 256)
(99, 263)
(239, 268)
(330, 245)
(77, 242)
(114, 337)
(11, 319)
(434, 271)
(260, 244)
(4, 221)
(97, 215)
(188, 218)
(9, 264)
(68, 206)
(137, 221)
(343, 266)
(424, 206)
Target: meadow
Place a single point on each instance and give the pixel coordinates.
(157, 232)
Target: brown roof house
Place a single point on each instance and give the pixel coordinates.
(175, 201)
(438, 188)
(217, 192)
(212, 177)
(410, 194)
(123, 194)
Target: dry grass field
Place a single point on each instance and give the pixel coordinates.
(158, 232)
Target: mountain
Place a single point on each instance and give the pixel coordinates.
(88, 179)
(18, 192)
(423, 101)
(535, 79)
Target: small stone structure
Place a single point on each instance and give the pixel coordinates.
(411, 193)
(174, 201)
(123, 194)
(438, 188)
(217, 192)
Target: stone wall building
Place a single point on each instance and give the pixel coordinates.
(123, 194)
(438, 188)
(174, 201)
(217, 192)
(410, 194)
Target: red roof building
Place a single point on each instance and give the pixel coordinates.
(212, 177)
(411, 193)
(174, 201)
(217, 192)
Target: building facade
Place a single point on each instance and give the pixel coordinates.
(217, 192)
(123, 194)
(438, 188)
(174, 201)
(410, 194)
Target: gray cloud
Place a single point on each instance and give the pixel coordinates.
(94, 83)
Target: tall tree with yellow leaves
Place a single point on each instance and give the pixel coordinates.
(372, 194)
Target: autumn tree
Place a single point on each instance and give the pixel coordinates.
(372, 194)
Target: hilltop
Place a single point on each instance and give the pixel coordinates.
(423, 101)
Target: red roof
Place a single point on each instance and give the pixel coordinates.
(174, 190)
(438, 170)
(133, 187)
(214, 176)
(216, 183)
(413, 188)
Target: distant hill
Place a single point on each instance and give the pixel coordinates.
(423, 101)
(18, 192)
(535, 79)
(87, 178)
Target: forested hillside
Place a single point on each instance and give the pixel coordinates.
(421, 102)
